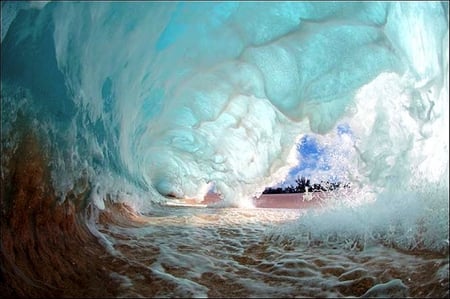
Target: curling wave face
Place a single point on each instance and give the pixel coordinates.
(135, 102)
(174, 96)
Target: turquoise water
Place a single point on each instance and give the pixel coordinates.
(133, 102)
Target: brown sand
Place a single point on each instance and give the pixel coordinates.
(271, 201)
(290, 200)
(48, 251)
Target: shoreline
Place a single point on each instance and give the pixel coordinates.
(290, 200)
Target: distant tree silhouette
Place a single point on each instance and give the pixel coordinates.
(303, 184)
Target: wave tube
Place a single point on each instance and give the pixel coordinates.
(147, 100)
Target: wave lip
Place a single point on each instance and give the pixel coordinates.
(108, 109)
(232, 108)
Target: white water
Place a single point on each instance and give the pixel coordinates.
(146, 99)
(239, 253)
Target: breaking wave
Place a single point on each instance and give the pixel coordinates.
(111, 104)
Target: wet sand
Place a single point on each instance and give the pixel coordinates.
(291, 200)
(269, 201)
(72, 249)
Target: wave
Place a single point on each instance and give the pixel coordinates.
(108, 103)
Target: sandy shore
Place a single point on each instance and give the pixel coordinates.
(273, 201)
(290, 200)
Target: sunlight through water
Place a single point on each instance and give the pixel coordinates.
(138, 138)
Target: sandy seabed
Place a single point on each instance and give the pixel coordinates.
(72, 249)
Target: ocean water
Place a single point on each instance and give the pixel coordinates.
(112, 109)
(237, 252)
